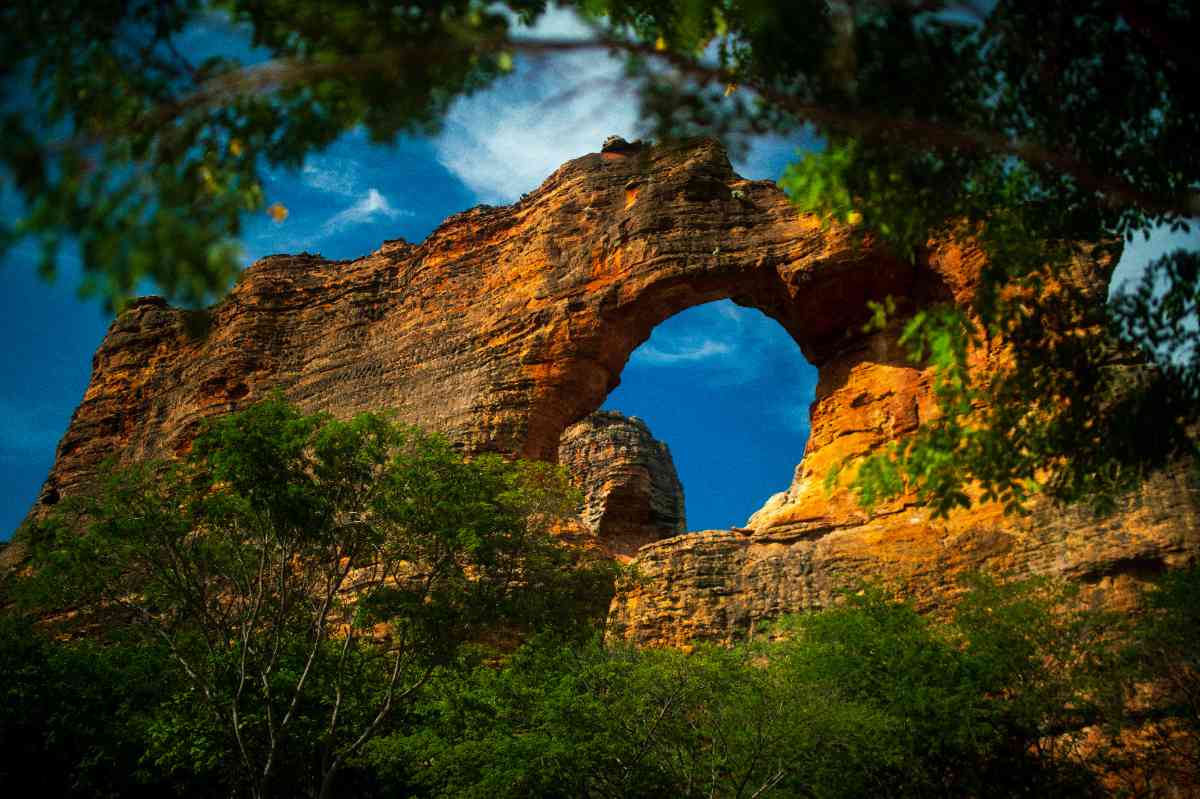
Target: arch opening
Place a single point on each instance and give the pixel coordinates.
(728, 390)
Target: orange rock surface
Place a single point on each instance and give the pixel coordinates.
(508, 325)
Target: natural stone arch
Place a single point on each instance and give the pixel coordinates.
(508, 324)
(688, 231)
(728, 389)
(500, 329)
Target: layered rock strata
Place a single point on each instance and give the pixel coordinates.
(508, 325)
(501, 329)
(718, 584)
(632, 494)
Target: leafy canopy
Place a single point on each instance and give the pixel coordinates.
(869, 698)
(306, 576)
(1018, 689)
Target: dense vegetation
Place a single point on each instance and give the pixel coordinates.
(1012, 696)
(303, 578)
(311, 607)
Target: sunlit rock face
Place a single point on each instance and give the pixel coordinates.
(718, 584)
(632, 494)
(507, 326)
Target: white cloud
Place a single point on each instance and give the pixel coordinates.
(506, 140)
(732, 312)
(719, 338)
(686, 353)
(369, 208)
(331, 176)
(726, 345)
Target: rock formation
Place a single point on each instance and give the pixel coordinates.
(508, 325)
(632, 494)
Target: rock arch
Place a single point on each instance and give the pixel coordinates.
(502, 328)
(507, 325)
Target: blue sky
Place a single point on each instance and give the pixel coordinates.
(723, 386)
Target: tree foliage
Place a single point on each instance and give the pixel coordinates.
(1043, 133)
(150, 155)
(868, 699)
(1166, 653)
(73, 716)
(1019, 689)
(307, 576)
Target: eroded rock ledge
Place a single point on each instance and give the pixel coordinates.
(718, 584)
(508, 325)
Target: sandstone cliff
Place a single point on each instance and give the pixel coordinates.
(508, 325)
(501, 329)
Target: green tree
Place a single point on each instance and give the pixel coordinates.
(307, 576)
(1166, 651)
(994, 701)
(614, 721)
(866, 699)
(73, 714)
(150, 156)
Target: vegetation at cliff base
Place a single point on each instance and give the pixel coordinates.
(301, 579)
(1019, 689)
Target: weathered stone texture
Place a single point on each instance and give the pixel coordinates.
(508, 325)
(501, 329)
(716, 584)
(632, 495)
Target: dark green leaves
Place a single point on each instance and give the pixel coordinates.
(306, 575)
(149, 157)
(868, 698)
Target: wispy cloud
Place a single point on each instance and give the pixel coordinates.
(687, 353)
(715, 338)
(506, 140)
(331, 176)
(735, 314)
(729, 343)
(369, 208)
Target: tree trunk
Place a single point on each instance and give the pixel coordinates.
(327, 784)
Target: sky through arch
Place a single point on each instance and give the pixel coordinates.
(728, 390)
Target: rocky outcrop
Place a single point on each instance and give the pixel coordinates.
(632, 495)
(718, 584)
(508, 325)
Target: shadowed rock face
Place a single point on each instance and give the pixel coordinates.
(508, 325)
(632, 495)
